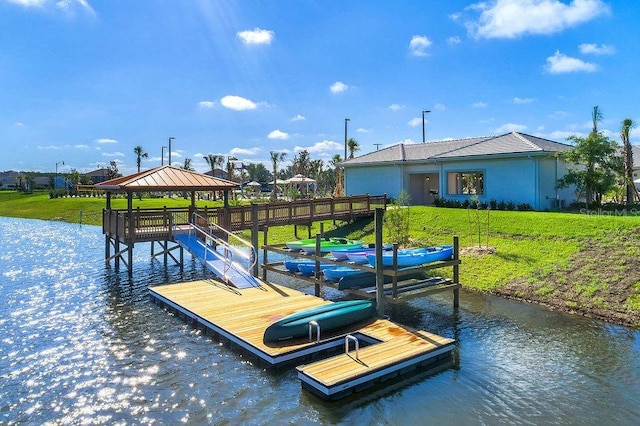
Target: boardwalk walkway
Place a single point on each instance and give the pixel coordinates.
(155, 224)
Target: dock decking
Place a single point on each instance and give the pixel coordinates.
(242, 315)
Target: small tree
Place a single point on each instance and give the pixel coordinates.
(598, 160)
(397, 220)
(112, 170)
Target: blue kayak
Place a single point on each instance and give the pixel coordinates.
(415, 257)
(330, 316)
(308, 269)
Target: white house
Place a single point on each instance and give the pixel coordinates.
(513, 167)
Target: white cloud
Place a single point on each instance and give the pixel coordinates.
(19, 124)
(71, 6)
(237, 103)
(396, 107)
(522, 101)
(244, 151)
(560, 63)
(440, 107)
(278, 134)
(558, 115)
(514, 18)
(113, 154)
(592, 48)
(298, 117)
(321, 147)
(338, 87)
(559, 135)
(206, 104)
(419, 45)
(256, 36)
(510, 127)
(47, 147)
(362, 130)
(414, 122)
(479, 105)
(105, 140)
(81, 146)
(29, 3)
(454, 40)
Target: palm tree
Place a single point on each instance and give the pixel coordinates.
(353, 146)
(335, 160)
(632, 192)
(276, 157)
(140, 154)
(230, 167)
(214, 161)
(187, 164)
(315, 172)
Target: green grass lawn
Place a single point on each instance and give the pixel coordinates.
(577, 261)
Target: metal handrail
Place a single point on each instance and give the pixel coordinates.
(315, 324)
(231, 251)
(346, 344)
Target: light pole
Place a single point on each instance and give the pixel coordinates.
(162, 158)
(345, 138)
(170, 139)
(423, 136)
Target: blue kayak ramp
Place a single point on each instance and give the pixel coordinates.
(231, 264)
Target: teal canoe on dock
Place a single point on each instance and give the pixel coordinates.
(330, 316)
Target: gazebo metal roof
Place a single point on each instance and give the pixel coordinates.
(166, 178)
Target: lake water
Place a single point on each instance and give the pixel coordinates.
(82, 343)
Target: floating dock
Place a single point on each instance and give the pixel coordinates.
(385, 349)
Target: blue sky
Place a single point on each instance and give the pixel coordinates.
(85, 81)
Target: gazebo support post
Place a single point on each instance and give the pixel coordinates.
(254, 236)
(132, 233)
(192, 207)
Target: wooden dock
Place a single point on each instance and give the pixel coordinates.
(242, 315)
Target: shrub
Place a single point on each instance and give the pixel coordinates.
(525, 207)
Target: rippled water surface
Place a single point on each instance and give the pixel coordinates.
(82, 343)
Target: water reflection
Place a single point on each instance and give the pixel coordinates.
(82, 343)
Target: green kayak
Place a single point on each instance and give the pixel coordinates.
(329, 317)
(326, 244)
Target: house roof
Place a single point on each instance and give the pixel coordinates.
(513, 143)
(166, 178)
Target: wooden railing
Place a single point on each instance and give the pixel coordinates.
(155, 224)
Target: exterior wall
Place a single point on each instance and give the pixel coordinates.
(551, 169)
(522, 179)
(374, 180)
(511, 179)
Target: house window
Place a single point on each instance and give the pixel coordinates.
(465, 183)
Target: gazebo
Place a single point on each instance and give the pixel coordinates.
(301, 181)
(130, 227)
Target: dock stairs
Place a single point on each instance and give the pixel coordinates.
(212, 245)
